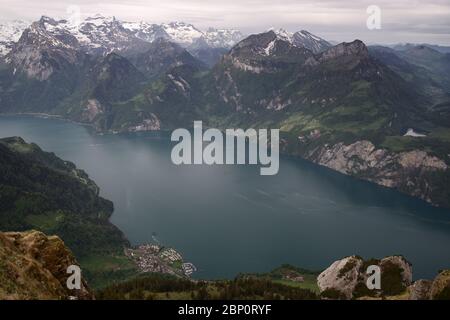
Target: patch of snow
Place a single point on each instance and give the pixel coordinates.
(182, 32)
(108, 33)
(269, 48)
(10, 32)
(222, 38)
(412, 133)
(284, 35)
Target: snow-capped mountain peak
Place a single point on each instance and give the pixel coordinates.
(222, 38)
(284, 35)
(310, 41)
(146, 31)
(10, 33)
(103, 34)
(303, 39)
(182, 33)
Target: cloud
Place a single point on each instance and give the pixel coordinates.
(402, 20)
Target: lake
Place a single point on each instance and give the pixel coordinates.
(230, 219)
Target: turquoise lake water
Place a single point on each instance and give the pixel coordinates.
(229, 219)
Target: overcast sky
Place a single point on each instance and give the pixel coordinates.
(414, 21)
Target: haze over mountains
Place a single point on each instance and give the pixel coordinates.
(378, 113)
(99, 34)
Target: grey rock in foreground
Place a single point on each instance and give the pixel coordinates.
(347, 278)
(420, 290)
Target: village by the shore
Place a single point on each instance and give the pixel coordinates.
(159, 259)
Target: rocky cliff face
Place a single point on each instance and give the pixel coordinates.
(410, 172)
(34, 266)
(39, 53)
(341, 276)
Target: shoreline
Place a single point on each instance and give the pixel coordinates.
(48, 116)
(167, 132)
(309, 163)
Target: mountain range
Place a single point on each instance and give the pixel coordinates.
(377, 113)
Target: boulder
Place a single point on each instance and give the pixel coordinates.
(347, 278)
(395, 269)
(340, 278)
(440, 288)
(420, 290)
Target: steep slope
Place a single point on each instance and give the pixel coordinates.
(40, 52)
(309, 41)
(34, 266)
(250, 77)
(172, 101)
(206, 54)
(304, 39)
(161, 56)
(432, 60)
(425, 73)
(213, 44)
(275, 79)
(10, 33)
(115, 79)
(40, 191)
(41, 70)
(111, 79)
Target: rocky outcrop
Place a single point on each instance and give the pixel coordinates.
(356, 48)
(399, 263)
(420, 290)
(92, 109)
(39, 53)
(440, 288)
(408, 172)
(34, 266)
(347, 278)
(341, 276)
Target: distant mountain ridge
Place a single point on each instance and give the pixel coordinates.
(109, 33)
(98, 31)
(304, 39)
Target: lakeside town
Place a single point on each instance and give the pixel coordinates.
(159, 259)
